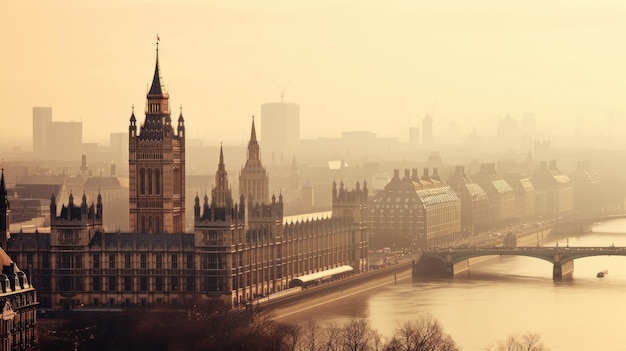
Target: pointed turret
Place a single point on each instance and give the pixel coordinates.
(158, 86)
(53, 206)
(180, 129)
(83, 205)
(221, 194)
(4, 199)
(158, 121)
(253, 179)
(132, 127)
(99, 206)
(254, 151)
(196, 207)
(221, 164)
(5, 212)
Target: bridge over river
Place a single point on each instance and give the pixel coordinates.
(447, 262)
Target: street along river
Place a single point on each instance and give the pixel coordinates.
(499, 297)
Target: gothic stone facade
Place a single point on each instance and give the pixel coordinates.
(236, 251)
(235, 254)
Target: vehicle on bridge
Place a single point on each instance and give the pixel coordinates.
(601, 274)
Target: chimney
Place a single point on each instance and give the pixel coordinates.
(396, 173)
(113, 173)
(414, 173)
(83, 164)
(426, 176)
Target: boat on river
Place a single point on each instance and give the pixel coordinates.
(601, 274)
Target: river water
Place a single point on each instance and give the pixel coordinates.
(509, 295)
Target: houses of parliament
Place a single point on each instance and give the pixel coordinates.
(241, 247)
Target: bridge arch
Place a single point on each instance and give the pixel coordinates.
(447, 262)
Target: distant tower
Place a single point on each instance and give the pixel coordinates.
(427, 131)
(280, 128)
(221, 194)
(254, 183)
(5, 213)
(156, 165)
(42, 116)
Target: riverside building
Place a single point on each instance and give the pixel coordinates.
(474, 202)
(414, 212)
(501, 195)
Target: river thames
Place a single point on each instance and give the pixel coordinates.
(504, 296)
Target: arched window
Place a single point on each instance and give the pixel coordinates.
(150, 224)
(149, 181)
(142, 229)
(176, 180)
(142, 181)
(157, 181)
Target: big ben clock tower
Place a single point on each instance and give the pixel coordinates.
(156, 163)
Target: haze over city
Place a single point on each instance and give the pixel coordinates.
(362, 65)
(277, 175)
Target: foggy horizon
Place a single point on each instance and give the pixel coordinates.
(372, 67)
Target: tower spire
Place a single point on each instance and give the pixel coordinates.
(253, 132)
(4, 199)
(254, 151)
(253, 179)
(221, 194)
(158, 86)
(221, 164)
(5, 212)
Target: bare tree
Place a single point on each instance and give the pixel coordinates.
(332, 338)
(422, 334)
(312, 337)
(527, 342)
(377, 341)
(356, 335)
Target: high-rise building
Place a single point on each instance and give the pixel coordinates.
(119, 146)
(254, 183)
(280, 129)
(64, 141)
(156, 165)
(41, 117)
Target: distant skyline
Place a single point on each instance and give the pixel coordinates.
(351, 65)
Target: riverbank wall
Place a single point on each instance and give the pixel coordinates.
(388, 274)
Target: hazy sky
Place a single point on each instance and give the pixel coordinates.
(351, 65)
